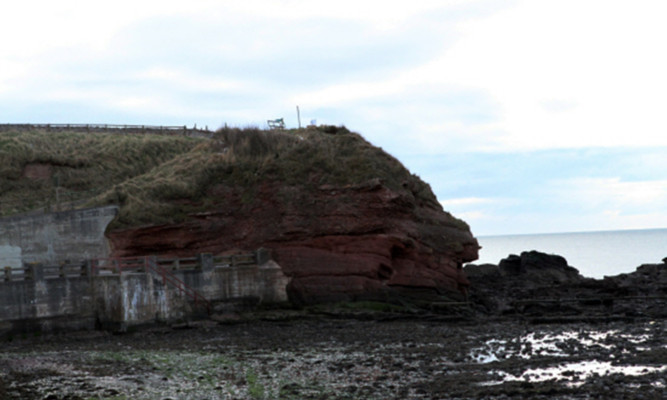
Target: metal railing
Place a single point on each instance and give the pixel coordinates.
(144, 264)
(130, 264)
(165, 268)
(183, 288)
(29, 272)
(119, 266)
(235, 260)
(105, 127)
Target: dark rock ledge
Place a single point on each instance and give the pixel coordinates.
(544, 287)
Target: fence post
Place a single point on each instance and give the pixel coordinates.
(61, 270)
(150, 266)
(35, 272)
(8, 274)
(86, 268)
(262, 256)
(205, 262)
(153, 268)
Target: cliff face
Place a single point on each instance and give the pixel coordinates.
(343, 218)
(335, 242)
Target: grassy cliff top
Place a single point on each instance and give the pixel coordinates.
(39, 169)
(160, 179)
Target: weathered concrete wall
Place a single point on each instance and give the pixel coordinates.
(55, 237)
(31, 300)
(40, 304)
(120, 300)
(266, 282)
(143, 298)
(136, 299)
(10, 256)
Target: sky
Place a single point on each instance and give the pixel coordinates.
(529, 116)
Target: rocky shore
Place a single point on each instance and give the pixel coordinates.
(325, 358)
(533, 328)
(543, 286)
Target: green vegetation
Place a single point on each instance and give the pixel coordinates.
(161, 179)
(256, 389)
(74, 166)
(197, 372)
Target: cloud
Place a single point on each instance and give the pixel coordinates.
(167, 59)
(522, 115)
(551, 190)
(605, 77)
(479, 212)
(466, 201)
(615, 194)
(458, 75)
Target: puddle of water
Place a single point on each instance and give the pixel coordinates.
(562, 344)
(488, 353)
(574, 374)
(550, 345)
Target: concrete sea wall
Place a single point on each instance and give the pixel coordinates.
(95, 295)
(40, 304)
(54, 237)
(54, 275)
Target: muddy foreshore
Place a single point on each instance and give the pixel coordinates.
(532, 328)
(367, 356)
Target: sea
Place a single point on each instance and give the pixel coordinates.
(594, 254)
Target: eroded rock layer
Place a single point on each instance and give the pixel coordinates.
(335, 242)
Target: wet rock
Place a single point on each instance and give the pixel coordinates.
(546, 288)
(539, 268)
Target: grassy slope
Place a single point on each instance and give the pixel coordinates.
(82, 164)
(160, 179)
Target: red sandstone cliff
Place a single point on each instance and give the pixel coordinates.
(335, 241)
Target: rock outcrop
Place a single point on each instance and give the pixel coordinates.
(336, 243)
(336, 240)
(539, 268)
(542, 285)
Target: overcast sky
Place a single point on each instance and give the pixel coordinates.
(524, 116)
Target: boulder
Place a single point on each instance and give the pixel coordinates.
(538, 266)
